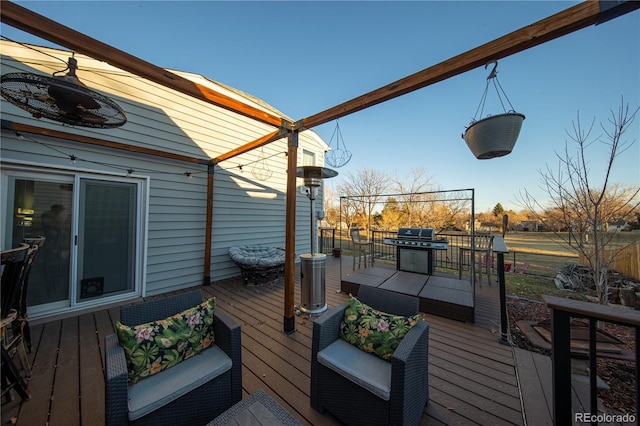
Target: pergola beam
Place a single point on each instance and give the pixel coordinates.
(264, 140)
(555, 26)
(38, 25)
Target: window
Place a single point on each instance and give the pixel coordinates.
(308, 158)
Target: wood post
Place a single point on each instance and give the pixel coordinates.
(290, 234)
(208, 238)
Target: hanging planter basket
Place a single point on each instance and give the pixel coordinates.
(493, 136)
(338, 155)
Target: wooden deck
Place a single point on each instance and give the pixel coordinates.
(472, 376)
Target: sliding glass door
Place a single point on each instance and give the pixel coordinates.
(107, 238)
(93, 234)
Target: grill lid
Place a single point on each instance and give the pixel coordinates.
(416, 233)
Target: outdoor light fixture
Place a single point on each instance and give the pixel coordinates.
(62, 98)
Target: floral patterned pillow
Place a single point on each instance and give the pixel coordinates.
(155, 346)
(374, 331)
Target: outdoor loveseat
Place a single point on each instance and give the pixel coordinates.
(192, 392)
(359, 387)
(258, 264)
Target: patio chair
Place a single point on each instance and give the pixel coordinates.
(193, 392)
(360, 388)
(14, 262)
(16, 266)
(258, 264)
(522, 269)
(36, 244)
(491, 262)
(483, 245)
(361, 247)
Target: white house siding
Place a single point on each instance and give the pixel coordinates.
(245, 210)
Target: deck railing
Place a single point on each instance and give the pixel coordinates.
(327, 240)
(447, 259)
(562, 310)
(540, 264)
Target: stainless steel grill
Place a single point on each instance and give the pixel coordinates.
(414, 249)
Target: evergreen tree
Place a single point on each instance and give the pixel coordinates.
(498, 210)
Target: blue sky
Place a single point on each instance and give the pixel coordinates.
(304, 57)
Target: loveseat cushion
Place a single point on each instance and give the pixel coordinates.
(158, 345)
(374, 331)
(363, 369)
(159, 390)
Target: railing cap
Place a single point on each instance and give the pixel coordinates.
(618, 315)
(499, 246)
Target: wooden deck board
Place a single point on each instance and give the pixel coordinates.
(41, 382)
(456, 401)
(448, 290)
(65, 408)
(438, 414)
(472, 380)
(531, 370)
(405, 282)
(488, 377)
(376, 271)
(91, 389)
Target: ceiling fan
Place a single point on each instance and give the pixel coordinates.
(62, 98)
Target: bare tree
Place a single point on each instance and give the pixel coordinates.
(361, 192)
(582, 207)
(416, 196)
(331, 207)
(447, 210)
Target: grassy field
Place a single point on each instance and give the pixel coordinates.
(550, 243)
(545, 253)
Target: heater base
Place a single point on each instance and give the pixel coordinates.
(314, 311)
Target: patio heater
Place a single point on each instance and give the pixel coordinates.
(312, 268)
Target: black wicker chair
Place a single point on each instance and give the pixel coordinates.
(16, 266)
(409, 388)
(199, 406)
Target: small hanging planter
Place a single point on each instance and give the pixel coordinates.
(495, 135)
